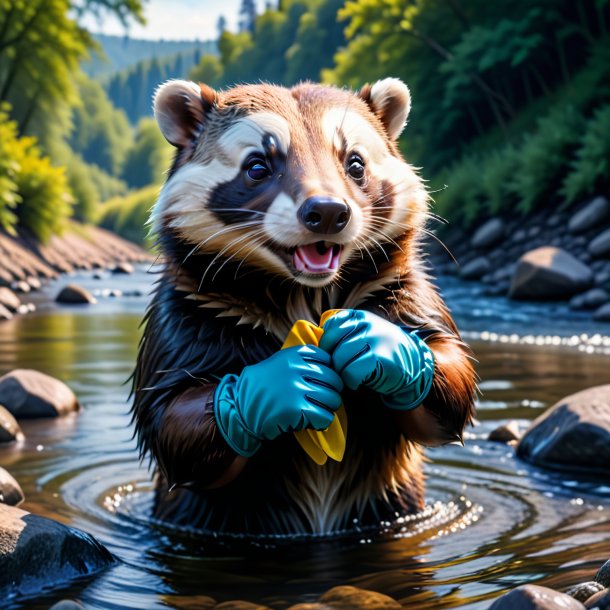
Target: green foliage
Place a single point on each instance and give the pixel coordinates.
(9, 197)
(590, 171)
(209, 71)
(462, 199)
(545, 157)
(45, 202)
(497, 177)
(101, 133)
(148, 158)
(128, 215)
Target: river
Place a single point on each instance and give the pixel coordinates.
(492, 522)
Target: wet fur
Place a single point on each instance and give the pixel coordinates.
(200, 328)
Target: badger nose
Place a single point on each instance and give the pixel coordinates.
(324, 215)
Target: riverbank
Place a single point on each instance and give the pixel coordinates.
(26, 264)
(559, 257)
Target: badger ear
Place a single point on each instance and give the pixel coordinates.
(390, 100)
(180, 108)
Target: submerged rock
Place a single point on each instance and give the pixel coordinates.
(584, 590)
(10, 491)
(591, 299)
(353, 598)
(37, 553)
(549, 273)
(534, 597)
(506, 433)
(73, 294)
(27, 393)
(602, 314)
(9, 428)
(599, 601)
(573, 434)
(600, 246)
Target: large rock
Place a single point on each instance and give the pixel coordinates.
(602, 314)
(9, 299)
(476, 268)
(75, 295)
(10, 490)
(533, 597)
(573, 434)
(5, 314)
(489, 234)
(37, 553)
(591, 216)
(9, 428)
(27, 393)
(600, 246)
(549, 273)
(123, 269)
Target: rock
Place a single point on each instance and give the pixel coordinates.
(9, 428)
(519, 236)
(584, 590)
(21, 286)
(489, 234)
(353, 598)
(9, 299)
(67, 604)
(534, 597)
(5, 314)
(603, 575)
(239, 604)
(34, 283)
(37, 553)
(602, 314)
(602, 279)
(505, 433)
(591, 299)
(549, 273)
(27, 393)
(123, 268)
(98, 275)
(600, 246)
(533, 232)
(10, 493)
(573, 434)
(591, 216)
(73, 294)
(599, 601)
(476, 268)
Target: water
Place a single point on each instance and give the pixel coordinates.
(492, 522)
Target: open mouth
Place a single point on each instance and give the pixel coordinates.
(319, 258)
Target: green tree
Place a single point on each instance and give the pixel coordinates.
(148, 158)
(209, 71)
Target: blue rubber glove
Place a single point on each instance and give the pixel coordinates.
(296, 388)
(369, 351)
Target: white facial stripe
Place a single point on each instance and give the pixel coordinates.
(246, 135)
(189, 189)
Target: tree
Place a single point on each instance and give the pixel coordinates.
(247, 16)
(209, 71)
(221, 25)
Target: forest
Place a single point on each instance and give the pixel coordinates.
(511, 100)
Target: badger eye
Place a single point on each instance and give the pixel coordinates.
(257, 169)
(355, 167)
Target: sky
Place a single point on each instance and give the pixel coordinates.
(175, 19)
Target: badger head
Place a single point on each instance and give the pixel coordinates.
(299, 183)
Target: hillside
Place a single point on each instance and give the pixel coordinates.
(121, 52)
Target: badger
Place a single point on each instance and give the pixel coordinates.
(283, 203)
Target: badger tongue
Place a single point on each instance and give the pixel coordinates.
(308, 258)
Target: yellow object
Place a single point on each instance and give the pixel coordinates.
(329, 443)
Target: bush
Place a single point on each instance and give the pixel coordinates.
(590, 171)
(545, 157)
(33, 193)
(462, 199)
(497, 176)
(128, 215)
